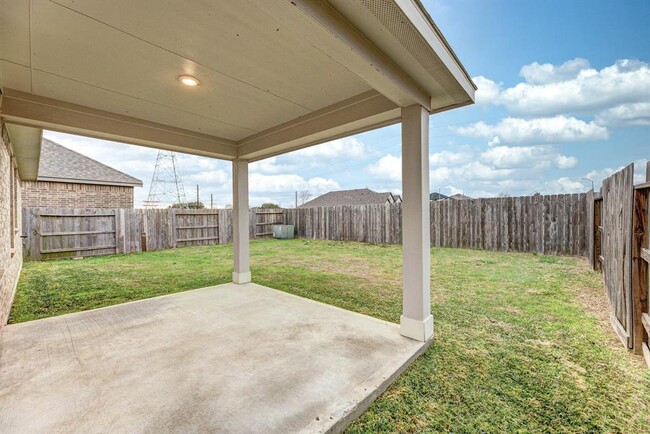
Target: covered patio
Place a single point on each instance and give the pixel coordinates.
(195, 361)
(240, 81)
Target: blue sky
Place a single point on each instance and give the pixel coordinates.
(564, 93)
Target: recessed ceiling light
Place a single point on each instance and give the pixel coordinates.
(188, 80)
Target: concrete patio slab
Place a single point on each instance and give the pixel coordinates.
(229, 358)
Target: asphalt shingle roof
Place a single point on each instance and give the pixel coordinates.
(437, 196)
(361, 196)
(60, 164)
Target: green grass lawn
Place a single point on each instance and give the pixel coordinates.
(522, 344)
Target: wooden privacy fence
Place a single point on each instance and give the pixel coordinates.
(554, 224)
(621, 251)
(52, 233)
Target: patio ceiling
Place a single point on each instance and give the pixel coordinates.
(275, 75)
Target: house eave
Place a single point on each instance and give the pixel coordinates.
(88, 181)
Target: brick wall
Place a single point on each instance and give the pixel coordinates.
(69, 195)
(11, 252)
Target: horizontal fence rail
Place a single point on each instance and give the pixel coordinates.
(54, 233)
(554, 224)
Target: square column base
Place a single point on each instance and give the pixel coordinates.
(415, 329)
(241, 278)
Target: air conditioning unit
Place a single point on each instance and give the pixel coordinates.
(283, 232)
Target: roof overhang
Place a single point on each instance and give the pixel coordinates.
(26, 146)
(284, 74)
(88, 181)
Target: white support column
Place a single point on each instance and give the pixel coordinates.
(416, 321)
(240, 231)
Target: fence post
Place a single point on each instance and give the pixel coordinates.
(598, 234)
(144, 236)
(36, 233)
(640, 258)
(639, 266)
(589, 228)
(172, 228)
(120, 233)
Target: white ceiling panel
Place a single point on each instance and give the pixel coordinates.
(235, 38)
(107, 58)
(15, 76)
(264, 66)
(78, 93)
(14, 31)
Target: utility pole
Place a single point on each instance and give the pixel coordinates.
(296, 200)
(211, 202)
(197, 196)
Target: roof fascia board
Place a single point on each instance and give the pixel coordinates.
(422, 21)
(26, 109)
(88, 181)
(25, 144)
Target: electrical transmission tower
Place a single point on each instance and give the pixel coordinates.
(166, 183)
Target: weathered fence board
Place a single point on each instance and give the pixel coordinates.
(617, 204)
(640, 268)
(64, 233)
(542, 224)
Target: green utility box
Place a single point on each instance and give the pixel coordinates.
(283, 231)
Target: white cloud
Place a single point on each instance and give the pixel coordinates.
(565, 162)
(634, 114)
(538, 157)
(599, 175)
(388, 167)
(447, 158)
(488, 91)
(532, 131)
(545, 73)
(470, 172)
(260, 183)
(565, 185)
(506, 156)
(440, 176)
(552, 90)
(219, 177)
(347, 147)
(270, 166)
(480, 171)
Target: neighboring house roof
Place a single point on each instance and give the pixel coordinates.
(60, 164)
(437, 196)
(459, 196)
(361, 196)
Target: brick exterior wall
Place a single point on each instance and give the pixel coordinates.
(70, 195)
(11, 250)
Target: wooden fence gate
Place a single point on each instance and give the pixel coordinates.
(264, 221)
(195, 228)
(616, 247)
(621, 251)
(52, 233)
(65, 233)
